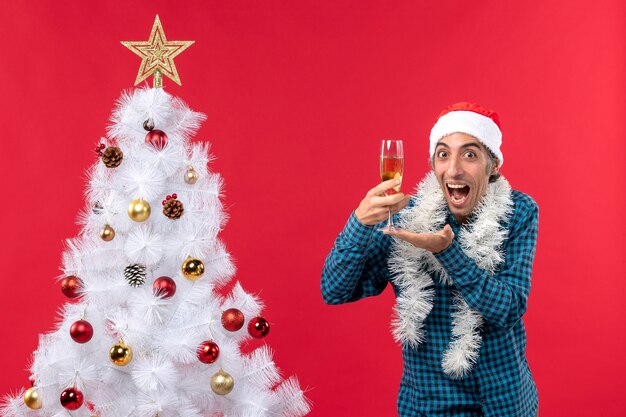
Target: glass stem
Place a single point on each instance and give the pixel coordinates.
(390, 220)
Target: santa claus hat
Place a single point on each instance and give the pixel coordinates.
(471, 119)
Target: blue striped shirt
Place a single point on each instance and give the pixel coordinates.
(501, 384)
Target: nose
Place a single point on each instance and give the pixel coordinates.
(455, 167)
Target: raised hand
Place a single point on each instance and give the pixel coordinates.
(374, 208)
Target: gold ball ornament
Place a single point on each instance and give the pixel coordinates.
(139, 210)
(222, 383)
(191, 176)
(193, 268)
(107, 233)
(121, 354)
(32, 399)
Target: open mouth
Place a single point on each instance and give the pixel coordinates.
(458, 193)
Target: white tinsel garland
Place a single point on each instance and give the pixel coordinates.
(412, 268)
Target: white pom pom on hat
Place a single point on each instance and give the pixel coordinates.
(471, 119)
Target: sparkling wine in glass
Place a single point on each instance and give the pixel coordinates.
(391, 167)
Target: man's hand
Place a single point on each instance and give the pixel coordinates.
(374, 208)
(434, 242)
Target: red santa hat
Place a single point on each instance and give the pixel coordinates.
(471, 119)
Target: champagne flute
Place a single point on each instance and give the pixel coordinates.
(391, 167)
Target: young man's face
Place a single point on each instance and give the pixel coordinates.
(460, 164)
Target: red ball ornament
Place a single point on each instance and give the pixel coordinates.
(71, 398)
(164, 287)
(70, 286)
(208, 352)
(232, 319)
(157, 138)
(81, 331)
(258, 327)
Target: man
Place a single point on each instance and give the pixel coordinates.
(460, 267)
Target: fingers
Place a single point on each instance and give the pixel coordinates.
(383, 186)
(375, 207)
(395, 232)
(395, 204)
(434, 242)
(447, 232)
(370, 215)
(416, 239)
(387, 201)
(400, 204)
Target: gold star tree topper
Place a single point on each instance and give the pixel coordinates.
(157, 55)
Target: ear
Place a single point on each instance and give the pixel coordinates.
(496, 166)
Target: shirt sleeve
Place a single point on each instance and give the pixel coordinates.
(356, 267)
(500, 298)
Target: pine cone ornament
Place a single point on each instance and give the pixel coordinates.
(135, 274)
(172, 207)
(112, 157)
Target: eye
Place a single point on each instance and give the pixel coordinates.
(470, 154)
(442, 154)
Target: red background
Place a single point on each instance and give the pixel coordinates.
(298, 95)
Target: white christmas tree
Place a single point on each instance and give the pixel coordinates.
(147, 333)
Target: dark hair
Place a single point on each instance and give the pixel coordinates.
(492, 160)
